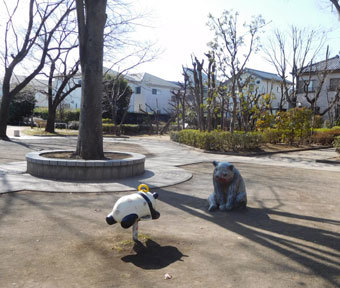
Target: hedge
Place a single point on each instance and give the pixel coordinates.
(126, 129)
(218, 140)
(336, 144)
(325, 136)
(68, 115)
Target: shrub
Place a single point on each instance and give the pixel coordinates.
(265, 121)
(109, 128)
(325, 136)
(41, 112)
(336, 144)
(21, 106)
(295, 124)
(131, 129)
(66, 116)
(218, 141)
(272, 135)
(69, 115)
(107, 121)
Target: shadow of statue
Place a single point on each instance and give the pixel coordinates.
(153, 255)
(310, 245)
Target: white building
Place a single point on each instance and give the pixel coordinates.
(266, 83)
(148, 90)
(321, 80)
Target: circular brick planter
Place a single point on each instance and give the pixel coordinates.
(38, 164)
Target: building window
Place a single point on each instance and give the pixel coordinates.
(334, 84)
(154, 91)
(305, 86)
(138, 90)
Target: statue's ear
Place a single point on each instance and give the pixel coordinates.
(231, 167)
(215, 163)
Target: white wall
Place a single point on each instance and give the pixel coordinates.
(325, 95)
(160, 101)
(266, 86)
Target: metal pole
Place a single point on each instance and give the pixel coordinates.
(135, 231)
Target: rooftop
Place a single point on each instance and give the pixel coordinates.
(264, 75)
(330, 64)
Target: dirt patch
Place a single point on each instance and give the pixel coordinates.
(73, 156)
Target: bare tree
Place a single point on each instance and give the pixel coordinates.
(179, 99)
(121, 50)
(37, 38)
(336, 5)
(212, 89)
(233, 49)
(198, 89)
(288, 53)
(312, 85)
(62, 69)
(91, 16)
(117, 95)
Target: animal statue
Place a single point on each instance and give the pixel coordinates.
(229, 188)
(130, 209)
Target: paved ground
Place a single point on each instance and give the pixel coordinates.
(289, 236)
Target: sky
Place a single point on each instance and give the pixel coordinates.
(179, 27)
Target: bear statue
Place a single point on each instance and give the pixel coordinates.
(129, 209)
(229, 188)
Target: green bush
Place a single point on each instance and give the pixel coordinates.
(272, 135)
(217, 140)
(109, 128)
(68, 115)
(336, 144)
(126, 129)
(21, 106)
(107, 121)
(295, 125)
(41, 112)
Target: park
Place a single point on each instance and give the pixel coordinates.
(228, 177)
(54, 233)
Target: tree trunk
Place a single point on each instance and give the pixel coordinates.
(222, 114)
(91, 28)
(234, 114)
(183, 115)
(50, 120)
(4, 109)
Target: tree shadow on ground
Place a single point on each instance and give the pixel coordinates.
(153, 255)
(306, 243)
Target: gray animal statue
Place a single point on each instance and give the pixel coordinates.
(229, 188)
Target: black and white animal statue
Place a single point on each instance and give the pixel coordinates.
(229, 188)
(130, 209)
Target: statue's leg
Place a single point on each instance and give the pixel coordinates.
(135, 231)
(212, 202)
(241, 200)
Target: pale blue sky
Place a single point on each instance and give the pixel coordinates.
(180, 27)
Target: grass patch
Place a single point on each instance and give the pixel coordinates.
(41, 132)
(125, 245)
